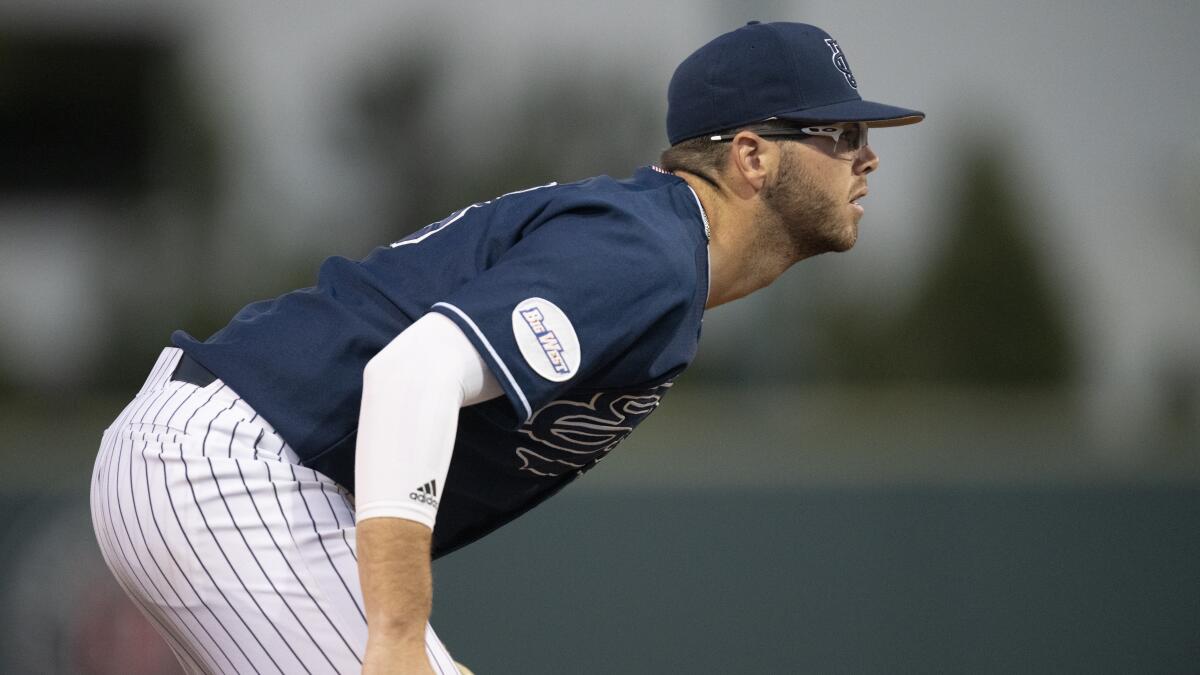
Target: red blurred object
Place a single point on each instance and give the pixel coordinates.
(111, 636)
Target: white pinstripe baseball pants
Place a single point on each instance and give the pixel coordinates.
(243, 560)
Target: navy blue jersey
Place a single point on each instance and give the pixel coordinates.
(585, 300)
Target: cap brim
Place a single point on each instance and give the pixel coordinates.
(874, 114)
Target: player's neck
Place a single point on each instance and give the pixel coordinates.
(739, 264)
(739, 260)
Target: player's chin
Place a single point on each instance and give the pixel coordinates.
(844, 244)
(845, 237)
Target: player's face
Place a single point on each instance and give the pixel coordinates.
(814, 194)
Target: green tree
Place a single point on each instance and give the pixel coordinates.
(986, 312)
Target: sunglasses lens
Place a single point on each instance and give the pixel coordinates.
(854, 137)
(848, 138)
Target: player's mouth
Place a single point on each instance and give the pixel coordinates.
(854, 201)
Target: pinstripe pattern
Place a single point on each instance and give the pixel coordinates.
(241, 559)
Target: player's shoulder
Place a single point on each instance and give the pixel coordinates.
(651, 205)
(648, 227)
(645, 187)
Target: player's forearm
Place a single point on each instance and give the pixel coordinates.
(393, 567)
(412, 391)
(394, 570)
(405, 438)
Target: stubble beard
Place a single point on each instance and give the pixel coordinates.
(808, 220)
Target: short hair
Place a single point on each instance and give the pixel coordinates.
(699, 156)
(706, 158)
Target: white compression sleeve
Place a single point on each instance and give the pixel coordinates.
(412, 391)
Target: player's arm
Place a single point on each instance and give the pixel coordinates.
(412, 391)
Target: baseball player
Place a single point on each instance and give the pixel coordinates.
(274, 494)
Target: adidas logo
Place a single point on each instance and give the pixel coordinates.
(426, 494)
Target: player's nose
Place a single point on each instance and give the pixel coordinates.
(866, 162)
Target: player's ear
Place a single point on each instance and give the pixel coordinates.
(752, 159)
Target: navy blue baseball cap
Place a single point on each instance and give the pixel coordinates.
(790, 71)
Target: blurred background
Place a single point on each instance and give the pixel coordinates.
(972, 444)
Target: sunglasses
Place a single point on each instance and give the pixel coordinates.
(848, 138)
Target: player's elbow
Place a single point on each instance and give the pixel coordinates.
(391, 367)
(378, 368)
(433, 356)
(410, 363)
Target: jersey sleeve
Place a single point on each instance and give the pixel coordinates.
(570, 298)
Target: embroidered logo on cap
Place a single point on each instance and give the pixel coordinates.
(839, 60)
(546, 338)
